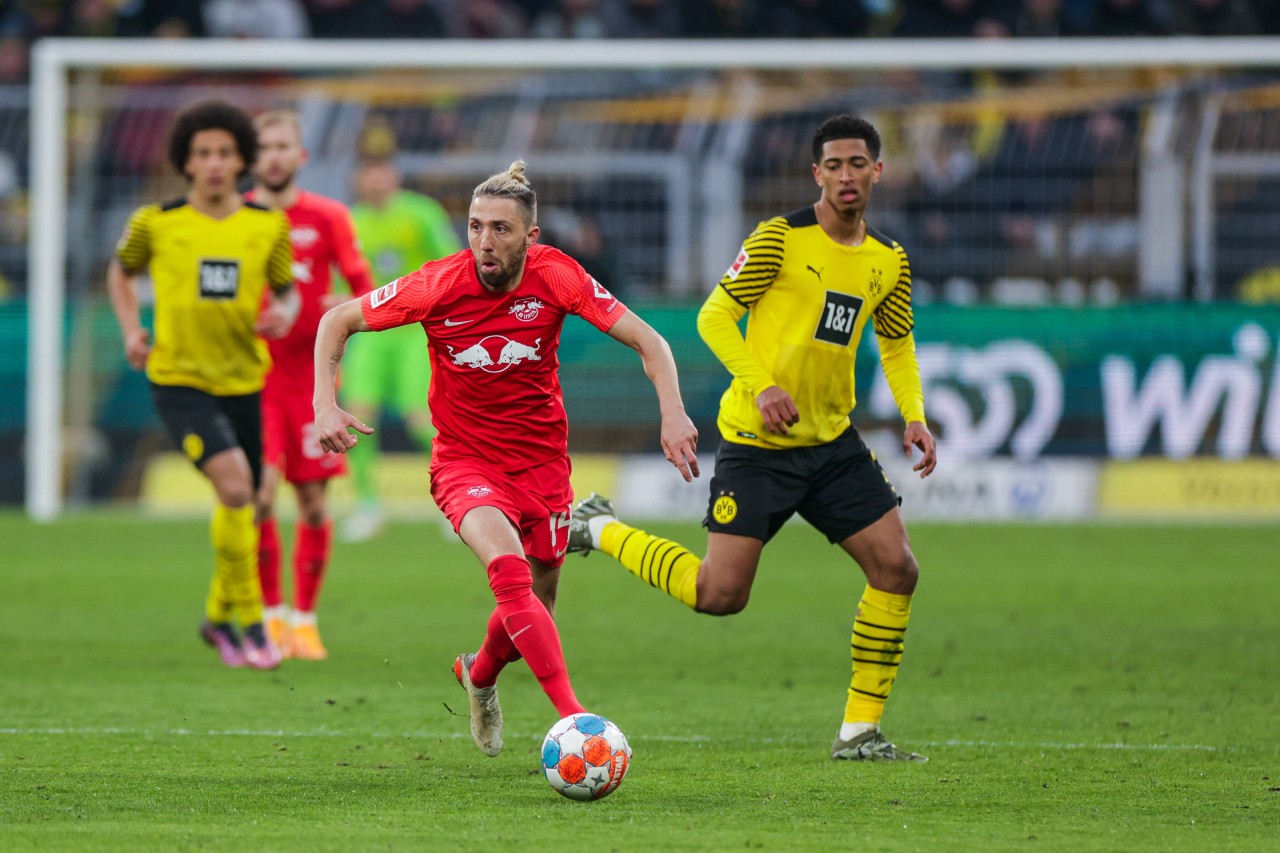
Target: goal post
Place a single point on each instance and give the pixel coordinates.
(56, 61)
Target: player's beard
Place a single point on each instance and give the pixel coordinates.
(280, 185)
(504, 277)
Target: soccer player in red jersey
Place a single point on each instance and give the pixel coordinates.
(500, 463)
(323, 236)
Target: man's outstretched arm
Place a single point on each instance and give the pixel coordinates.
(333, 425)
(679, 435)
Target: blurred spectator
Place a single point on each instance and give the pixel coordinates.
(92, 19)
(255, 19)
(1079, 14)
(485, 19)
(581, 237)
(375, 19)
(529, 10)
(338, 19)
(13, 225)
(15, 57)
(1215, 18)
(948, 19)
(949, 226)
(1261, 285)
(944, 158)
(1102, 238)
(42, 18)
(813, 18)
(721, 18)
(1042, 19)
(412, 19)
(570, 19)
(642, 19)
(160, 18)
(1125, 18)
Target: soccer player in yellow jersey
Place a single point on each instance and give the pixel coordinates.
(211, 257)
(809, 282)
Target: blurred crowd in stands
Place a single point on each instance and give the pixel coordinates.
(24, 21)
(975, 196)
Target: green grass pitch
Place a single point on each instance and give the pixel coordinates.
(1076, 687)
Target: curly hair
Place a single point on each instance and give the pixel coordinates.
(212, 115)
(512, 184)
(846, 127)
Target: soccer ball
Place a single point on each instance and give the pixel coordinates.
(585, 756)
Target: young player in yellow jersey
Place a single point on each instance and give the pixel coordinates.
(211, 257)
(809, 282)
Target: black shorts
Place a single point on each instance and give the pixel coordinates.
(204, 424)
(838, 487)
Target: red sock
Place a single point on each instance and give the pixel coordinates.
(531, 630)
(310, 558)
(496, 652)
(269, 562)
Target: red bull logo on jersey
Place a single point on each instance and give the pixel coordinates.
(495, 353)
(303, 237)
(526, 309)
(302, 270)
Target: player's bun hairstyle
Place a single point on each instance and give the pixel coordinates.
(846, 127)
(511, 184)
(213, 115)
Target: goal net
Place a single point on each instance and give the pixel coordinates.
(1064, 173)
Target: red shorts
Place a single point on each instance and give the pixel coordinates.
(537, 501)
(289, 440)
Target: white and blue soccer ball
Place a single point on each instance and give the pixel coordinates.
(585, 757)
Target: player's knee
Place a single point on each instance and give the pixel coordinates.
(235, 495)
(510, 578)
(314, 515)
(901, 573)
(723, 602)
(547, 597)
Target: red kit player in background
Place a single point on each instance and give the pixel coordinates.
(323, 236)
(500, 462)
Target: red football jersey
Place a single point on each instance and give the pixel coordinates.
(495, 385)
(322, 234)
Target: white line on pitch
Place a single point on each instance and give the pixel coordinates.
(1177, 747)
(326, 733)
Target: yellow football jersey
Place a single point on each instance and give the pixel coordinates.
(808, 299)
(209, 277)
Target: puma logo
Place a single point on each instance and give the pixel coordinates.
(818, 273)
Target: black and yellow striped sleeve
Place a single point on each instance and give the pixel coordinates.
(280, 266)
(894, 321)
(894, 318)
(134, 247)
(758, 263)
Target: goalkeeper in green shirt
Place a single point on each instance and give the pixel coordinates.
(398, 231)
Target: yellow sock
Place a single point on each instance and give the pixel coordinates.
(878, 632)
(235, 562)
(217, 607)
(660, 563)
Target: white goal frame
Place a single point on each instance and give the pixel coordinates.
(53, 61)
